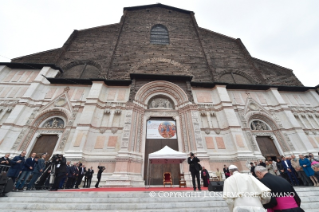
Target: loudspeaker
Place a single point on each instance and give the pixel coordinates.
(216, 186)
(8, 186)
(3, 178)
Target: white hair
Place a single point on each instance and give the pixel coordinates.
(260, 169)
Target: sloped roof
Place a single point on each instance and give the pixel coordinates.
(158, 5)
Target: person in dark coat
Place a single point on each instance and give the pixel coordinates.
(226, 171)
(283, 195)
(261, 163)
(5, 163)
(290, 171)
(72, 172)
(99, 175)
(205, 177)
(280, 168)
(60, 171)
(17, 164)
(26, 172)
(252, 169)
(88, 177)
(82, 172)
(194, 169)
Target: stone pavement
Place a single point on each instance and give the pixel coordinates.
(131, 201)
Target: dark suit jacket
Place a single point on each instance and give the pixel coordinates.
(89, 173)
(193, 164)
(28, 163)
(16, 167)
(80, 171)
(285, 166)
(39, 165)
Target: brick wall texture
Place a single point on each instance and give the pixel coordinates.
(115, 51)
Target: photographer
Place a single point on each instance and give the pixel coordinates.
(60, 170)
(99, 175)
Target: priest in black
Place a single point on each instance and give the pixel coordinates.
(205, 177)
(284, 197)
(194, 169)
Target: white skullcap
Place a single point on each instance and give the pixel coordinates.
(232, 167)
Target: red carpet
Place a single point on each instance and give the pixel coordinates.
(132, 189)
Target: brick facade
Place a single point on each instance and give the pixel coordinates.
(115, 51)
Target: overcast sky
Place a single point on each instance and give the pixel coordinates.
(284, 32)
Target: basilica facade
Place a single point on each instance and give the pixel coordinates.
(113, 94)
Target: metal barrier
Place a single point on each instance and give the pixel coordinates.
(4, 168)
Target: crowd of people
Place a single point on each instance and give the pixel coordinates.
(56, 173)
(297, 171)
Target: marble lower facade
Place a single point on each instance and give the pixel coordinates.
(99, 123)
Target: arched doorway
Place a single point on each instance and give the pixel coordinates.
(267, 147)
(47, 136)
(161, 132)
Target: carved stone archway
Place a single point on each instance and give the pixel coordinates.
(34, 129)
(274, 132)
(159, 87)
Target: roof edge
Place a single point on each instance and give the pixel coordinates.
(158, 5)
(30, 65)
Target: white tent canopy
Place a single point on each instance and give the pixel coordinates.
(165, 156)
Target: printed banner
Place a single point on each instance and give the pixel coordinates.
(161, 129)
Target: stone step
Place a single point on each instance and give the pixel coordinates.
(107, 200)
(161, 210)
(109, 206)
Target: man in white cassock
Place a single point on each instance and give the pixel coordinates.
(244, 193)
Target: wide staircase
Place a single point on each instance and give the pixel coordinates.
(130, 201)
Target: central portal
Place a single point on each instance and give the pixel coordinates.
(161, 132)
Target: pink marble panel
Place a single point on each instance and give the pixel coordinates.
(244, 95)
(210, 143)
(13, 92)
(121, 95)
(313, 143)
(121, 166)
(33, 76)
(50, 93)
(78, 94)
(9, 76)
(237, 98)
(17, 76)
(292, 99)
(78, 139)
(111, 95)
(262, 99)
(305, 99)
(254, 97)
(5, 92)
(71, 92)
(21, 92)
(25, 76)
(59, 91)
(99, 144)
(239, 141)
(204, 96)
(284, 96)
(317, 138)
(220, 143)
(299, 100)
(135, 167)
(112, 141)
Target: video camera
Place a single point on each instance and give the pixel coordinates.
(101, 167)
(56, 157)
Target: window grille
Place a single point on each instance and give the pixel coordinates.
(159, 35)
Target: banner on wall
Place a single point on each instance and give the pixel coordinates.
(161, 129)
